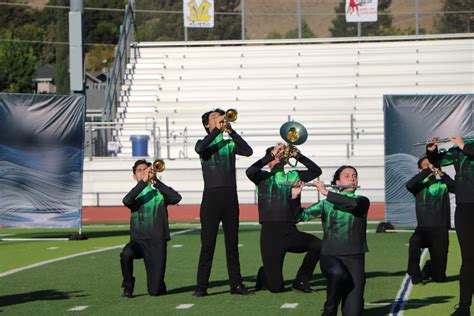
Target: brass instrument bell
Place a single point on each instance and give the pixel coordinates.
(293, 133)
(158, 165)
(230, 115)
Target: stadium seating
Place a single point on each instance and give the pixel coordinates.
(335, 89)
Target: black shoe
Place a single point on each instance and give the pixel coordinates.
(426, 271)
(461, 312)
(302, 287)
(127, 294)
(259, 282)
(240, 289)
(128, 288)
(200, 293)
(416, 279)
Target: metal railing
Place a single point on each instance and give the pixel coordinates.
(174, 142)
(122, 52)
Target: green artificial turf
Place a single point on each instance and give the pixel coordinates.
(94, 280)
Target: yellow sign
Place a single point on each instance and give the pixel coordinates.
(198, 13)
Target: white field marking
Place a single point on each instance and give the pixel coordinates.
(176, 246)
(34, 239)
(184, 306)
(405, 291)
(240, 245)
(42, 263)
(78, 308)
(378, 304)
(289, 305)
(52, 248)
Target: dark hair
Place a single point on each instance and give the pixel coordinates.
(337, 174)
(420, 161)
(205, 117)
(269, 149)
(140, 162)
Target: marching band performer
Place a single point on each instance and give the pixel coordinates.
(279, 234)
(433, 218)
(219, 199)
(149, 229)
(462, 157)
(344, 219)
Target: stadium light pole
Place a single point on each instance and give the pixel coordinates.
(76, 47)
(76, 68)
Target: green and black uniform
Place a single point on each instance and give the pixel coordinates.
(149, 233)
(219, 202)
(433, 218)
(344, 219)
(463, 161)
(279, 234)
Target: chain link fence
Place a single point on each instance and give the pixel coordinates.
(274, 19)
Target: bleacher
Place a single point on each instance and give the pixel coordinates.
(335, 89)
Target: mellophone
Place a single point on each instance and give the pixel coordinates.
(311, 184)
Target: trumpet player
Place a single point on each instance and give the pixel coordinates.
(149, 229)
(219, 199)
(461, 155)
(433, 217)
(279, 233)
(344, 219)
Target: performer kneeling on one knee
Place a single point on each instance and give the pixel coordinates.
(149, 229)
(279, 234)
(344, 219)
(433, 217)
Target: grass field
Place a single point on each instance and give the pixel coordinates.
(93, 280)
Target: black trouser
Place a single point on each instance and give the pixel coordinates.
(219, 205)
(153, 253)
(345, 281)
(464, 220)
(436, 239)
(278, 238)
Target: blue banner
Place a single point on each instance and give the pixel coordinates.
(410, 119)
(41, 160)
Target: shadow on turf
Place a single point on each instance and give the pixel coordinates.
(316, 281)
(376, 274)
(42, 295)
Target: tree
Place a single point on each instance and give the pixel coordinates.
(305, 31)
(17, 66)
(98, 58)
(456, 22)
(341, 28)
(103, 26)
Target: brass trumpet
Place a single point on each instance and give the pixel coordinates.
(230, 115)
(293, 133)
(441, 140)
(311, 184)
(158, 166)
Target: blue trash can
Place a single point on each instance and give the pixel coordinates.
(139, 145)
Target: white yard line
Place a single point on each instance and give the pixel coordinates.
(42, 263)
(404, 291)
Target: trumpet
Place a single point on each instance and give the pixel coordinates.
(230, 115)
(158, 165)
(441, 140)
(311, 184)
